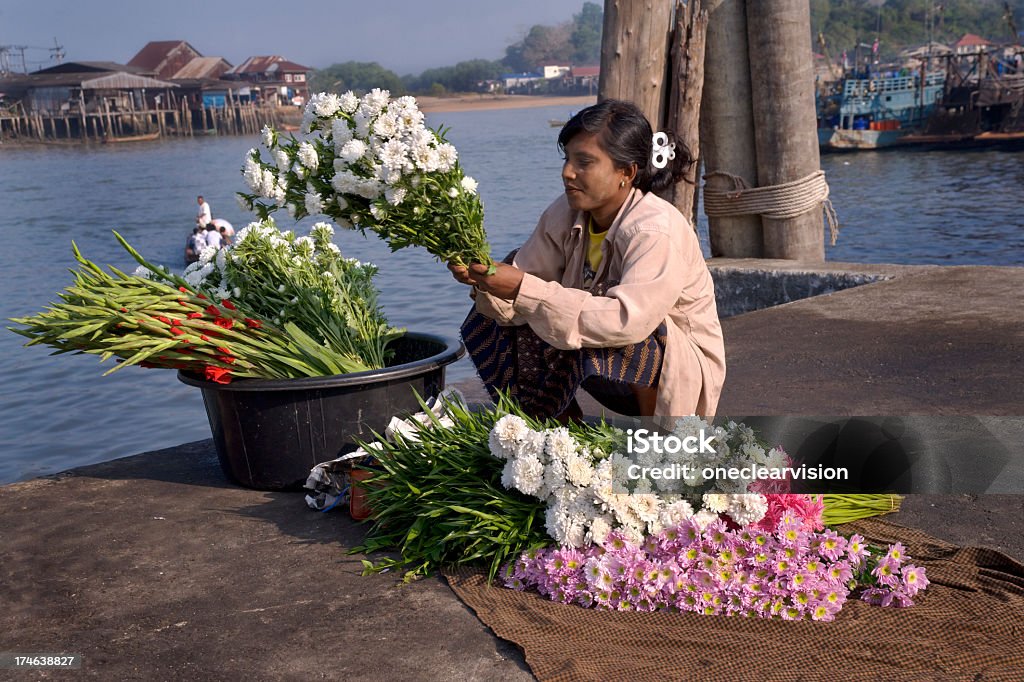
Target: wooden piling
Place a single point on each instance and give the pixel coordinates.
(785, 132)
(727, 126)
(633, 54)
(686, 81)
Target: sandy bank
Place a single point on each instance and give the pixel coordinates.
(477, 102)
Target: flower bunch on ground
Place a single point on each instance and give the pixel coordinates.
(437, 493)
(371, 163)
(791, 573)
(303, 281)
(156, 319)
(590, 493)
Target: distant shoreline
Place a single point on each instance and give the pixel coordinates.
(485, 102)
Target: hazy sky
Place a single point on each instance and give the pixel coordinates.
(406, 36)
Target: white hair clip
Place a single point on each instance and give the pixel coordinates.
(662, 152)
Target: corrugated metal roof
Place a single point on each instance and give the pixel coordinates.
(203, 67)
(86, 81)
(268, 64)
(90, 67)
(155, 52)
(119, 81)
(584, 71)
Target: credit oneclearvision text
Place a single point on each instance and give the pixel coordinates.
(643, 441)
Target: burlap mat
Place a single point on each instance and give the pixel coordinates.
(968, 625)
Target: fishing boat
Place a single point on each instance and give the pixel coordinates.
(111, 139)
(876, 112)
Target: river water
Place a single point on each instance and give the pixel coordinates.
(58, 412)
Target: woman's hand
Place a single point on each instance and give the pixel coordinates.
(504, 283)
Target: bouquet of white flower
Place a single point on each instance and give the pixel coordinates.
(371, 163)
(303, 281)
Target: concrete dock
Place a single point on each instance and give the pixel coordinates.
(153, 567)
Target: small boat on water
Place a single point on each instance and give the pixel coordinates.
(111, 139)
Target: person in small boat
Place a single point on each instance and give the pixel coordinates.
(213, 237)
(195, 244)
(227, 231)
(204, 216)
(610, 293)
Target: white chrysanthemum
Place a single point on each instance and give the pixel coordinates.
(690, 426)
(511, 429)
(703, 518)
(560, 443)
(647, 507)
(554, 476)
(352, 151)
(281, 158)
(715, 502)
(348, 102)
(307, 155)
(600, 527)
(341, 133)
(469, 184)
(333, 248)
(314, 203)
(386, 125)
(378, 212)
(395, 195)
(322, 231)
(253, 174)
(527, 474)
(298, 169)
(269, 137)
(426, 157)
(578, 470)
(675, 513)
(375, 100)
(499, 449)
(207, 255)
(279, 194)
(533, 444)
(344, 182)
(325, 104)
(393, 155)
(453, 192)
(447, 155)
(747, 509)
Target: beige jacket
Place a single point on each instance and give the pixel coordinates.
(652, 270)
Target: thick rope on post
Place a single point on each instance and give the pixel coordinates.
(788, 200)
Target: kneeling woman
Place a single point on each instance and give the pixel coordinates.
(610, 292)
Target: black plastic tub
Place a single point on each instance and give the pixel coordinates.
(270, 433)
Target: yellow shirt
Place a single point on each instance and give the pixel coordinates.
(594, 246)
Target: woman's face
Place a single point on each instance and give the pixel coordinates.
(592, 182)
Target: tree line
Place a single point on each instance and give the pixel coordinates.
(575, 42)
(836, 26)
(898, 24)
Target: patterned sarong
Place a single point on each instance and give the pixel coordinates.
(544, 379)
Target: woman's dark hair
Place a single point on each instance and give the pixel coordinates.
(626, 136)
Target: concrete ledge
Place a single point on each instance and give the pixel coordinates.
(746, 284)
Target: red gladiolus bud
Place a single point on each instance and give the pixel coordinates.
(124, 310)
(253, 324)
(213, 310)
(176, 331)
(220, 375)
(201, 296)
(162, 319)
(228, 304)
(224, 322)
(193, 316)
(226, 359)
(183, 290)
(204, 337)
